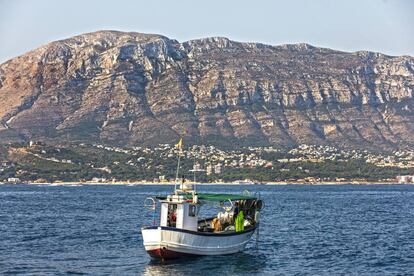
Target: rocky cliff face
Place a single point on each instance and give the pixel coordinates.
(131, 88)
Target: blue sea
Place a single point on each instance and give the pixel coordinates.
(305, 230)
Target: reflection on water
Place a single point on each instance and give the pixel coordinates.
(239, 263)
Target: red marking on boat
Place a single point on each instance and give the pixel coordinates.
(164, 253)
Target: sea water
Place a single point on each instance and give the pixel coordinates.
(305, 230)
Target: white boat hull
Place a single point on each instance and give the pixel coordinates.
(169, 242)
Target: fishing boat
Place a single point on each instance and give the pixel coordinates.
(182, 231)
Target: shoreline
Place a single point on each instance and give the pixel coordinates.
(139, 183)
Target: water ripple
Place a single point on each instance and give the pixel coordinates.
(305, 230)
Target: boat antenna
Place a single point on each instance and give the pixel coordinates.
(194, 170)
(179, 145)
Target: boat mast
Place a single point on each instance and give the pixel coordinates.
(196, 168)
(180, 147)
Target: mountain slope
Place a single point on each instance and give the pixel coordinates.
(132, 88)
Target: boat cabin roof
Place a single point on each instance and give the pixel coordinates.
(214, 197)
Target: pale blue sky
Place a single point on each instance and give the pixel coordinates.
(385, 26)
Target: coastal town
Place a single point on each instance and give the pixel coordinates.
(96, 163)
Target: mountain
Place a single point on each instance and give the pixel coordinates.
(129, 89)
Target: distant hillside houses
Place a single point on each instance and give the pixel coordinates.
(404, 179)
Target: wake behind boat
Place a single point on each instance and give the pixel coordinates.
(182, 232)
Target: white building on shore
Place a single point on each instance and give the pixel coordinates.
(404, 179)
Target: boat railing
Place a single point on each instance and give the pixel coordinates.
(151, 204)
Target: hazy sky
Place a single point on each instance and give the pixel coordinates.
(385, 26)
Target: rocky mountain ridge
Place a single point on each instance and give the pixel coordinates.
(130, 89)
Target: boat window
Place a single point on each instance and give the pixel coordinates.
(192, 210)
(172, 215)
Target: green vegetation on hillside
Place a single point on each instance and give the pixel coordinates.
(86, 162)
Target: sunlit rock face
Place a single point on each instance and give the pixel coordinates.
(142, 89)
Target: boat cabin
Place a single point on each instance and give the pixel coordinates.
(177, 211)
